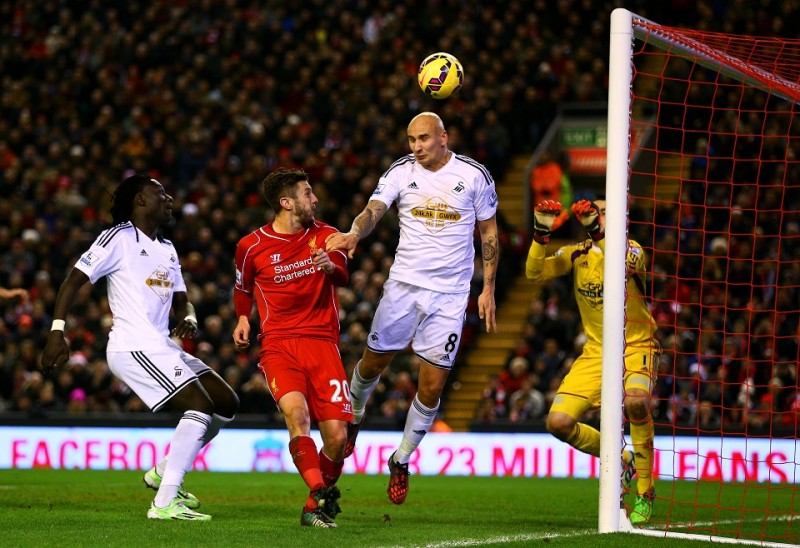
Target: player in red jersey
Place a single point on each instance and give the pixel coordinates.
(284, 268)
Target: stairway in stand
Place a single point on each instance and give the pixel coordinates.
(489, 350)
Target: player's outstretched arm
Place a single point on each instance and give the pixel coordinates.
(362, 226)
(547, 217)
(13, 293)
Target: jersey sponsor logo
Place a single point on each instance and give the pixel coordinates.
(88, 258)
(275, 258)
(160, 281)
(435, 214)
(379, 189)
(374, 336)
(413, 185)
(593, 293)
(459, 188)
(292, 271)
(143, 253)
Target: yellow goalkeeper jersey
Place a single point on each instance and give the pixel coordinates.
(585, 261)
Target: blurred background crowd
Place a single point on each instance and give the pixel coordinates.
(210, 96)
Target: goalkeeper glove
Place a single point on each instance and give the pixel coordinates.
(588, 213)
(547, 217)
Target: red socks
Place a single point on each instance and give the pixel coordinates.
(330, 470)
(306, 459)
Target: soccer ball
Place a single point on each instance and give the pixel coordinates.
(440, 75)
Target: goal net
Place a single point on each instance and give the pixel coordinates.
(703, 171)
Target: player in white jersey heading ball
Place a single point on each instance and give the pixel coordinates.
(145, 283)
(440, 197)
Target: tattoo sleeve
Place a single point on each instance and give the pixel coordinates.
(490, 253)
(368, 219)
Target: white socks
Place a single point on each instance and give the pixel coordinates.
(186, 442)
(418, 422)
(217, 423)
(360, 391)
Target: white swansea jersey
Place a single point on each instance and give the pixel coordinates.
(141, 275)
(437, 213)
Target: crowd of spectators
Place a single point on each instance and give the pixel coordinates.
(726, 264)
(210, 96)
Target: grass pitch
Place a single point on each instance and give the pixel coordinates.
(108, 508)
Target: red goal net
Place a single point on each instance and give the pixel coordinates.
(714, 199)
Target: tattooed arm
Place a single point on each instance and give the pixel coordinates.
(490, 249)
(363, 225)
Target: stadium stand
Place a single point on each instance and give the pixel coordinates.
(209, 97)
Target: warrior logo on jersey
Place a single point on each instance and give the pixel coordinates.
(435, 214)
(161, 283)
(275, 258)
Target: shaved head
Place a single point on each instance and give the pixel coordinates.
(427, 140)
(429, 117)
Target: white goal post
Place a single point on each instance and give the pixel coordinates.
(611, 515)
(627, 27)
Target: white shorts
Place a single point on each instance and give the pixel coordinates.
(431, 321)
(156, 375)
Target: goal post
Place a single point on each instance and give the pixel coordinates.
(617, 174)
(703, 171)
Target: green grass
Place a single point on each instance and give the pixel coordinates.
(107, 508)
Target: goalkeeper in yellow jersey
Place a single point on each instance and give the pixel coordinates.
(580, 389)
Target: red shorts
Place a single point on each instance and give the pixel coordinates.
(312, 367)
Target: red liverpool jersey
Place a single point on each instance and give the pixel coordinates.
(294, 299)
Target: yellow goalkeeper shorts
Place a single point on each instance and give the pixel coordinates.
(580, 389)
